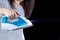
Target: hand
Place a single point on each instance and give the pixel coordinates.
(11, 13)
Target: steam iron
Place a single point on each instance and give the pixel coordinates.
(20, 22)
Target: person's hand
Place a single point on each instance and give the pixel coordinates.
(11, 13)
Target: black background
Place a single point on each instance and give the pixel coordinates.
(46, 29)
(33, 33)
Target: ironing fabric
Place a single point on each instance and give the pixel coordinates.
(18, 23)
(13, 10)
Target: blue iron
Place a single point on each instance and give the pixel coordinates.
(20, 22)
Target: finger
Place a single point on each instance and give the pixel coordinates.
(9, 17)
(17, 13)
(12, 16)
(16, 16)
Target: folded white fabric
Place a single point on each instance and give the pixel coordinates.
(20, 22)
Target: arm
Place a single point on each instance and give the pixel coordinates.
(2, 10)
(11, 13)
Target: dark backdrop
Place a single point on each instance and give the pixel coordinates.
(44, 28)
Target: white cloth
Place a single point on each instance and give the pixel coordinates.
(4, 4)
(15, 34)
(20, 10)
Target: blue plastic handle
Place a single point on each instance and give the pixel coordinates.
(4, 19)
